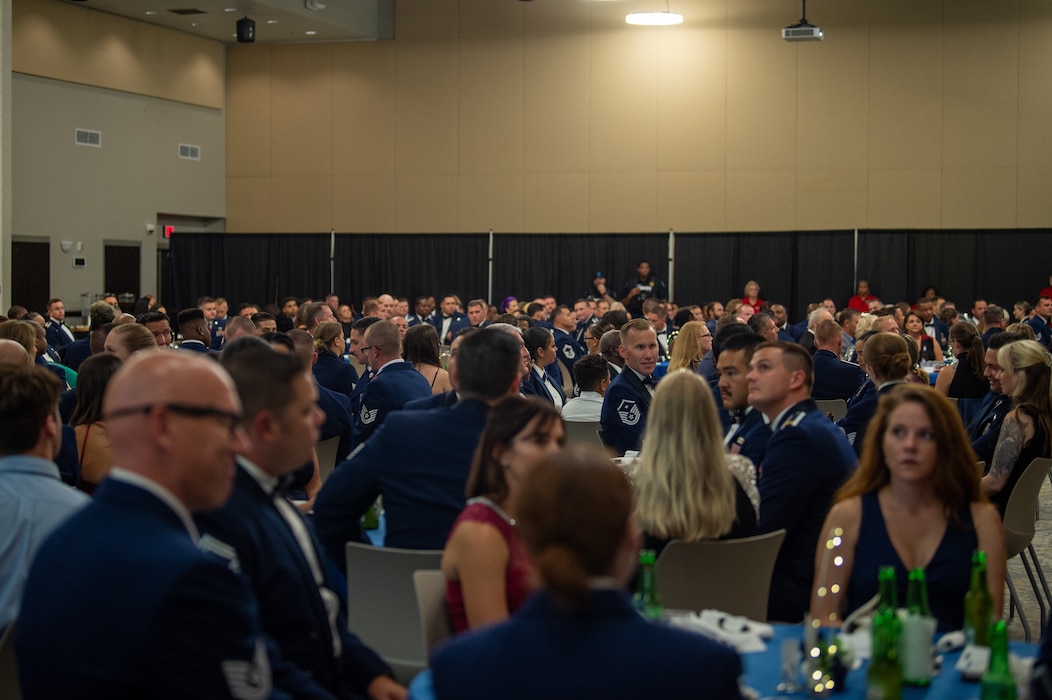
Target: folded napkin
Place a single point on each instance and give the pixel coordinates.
(743, 634)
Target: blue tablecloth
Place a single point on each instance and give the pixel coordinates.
(762, 673)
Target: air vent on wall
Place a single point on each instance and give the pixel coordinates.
(189, 151)
(86, 137)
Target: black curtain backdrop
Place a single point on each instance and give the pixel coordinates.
(793, 268)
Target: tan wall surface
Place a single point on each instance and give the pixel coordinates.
(78, 45)
(558, 116)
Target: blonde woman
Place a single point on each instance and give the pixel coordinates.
(693, 340)
(688, 487)
(127, 339)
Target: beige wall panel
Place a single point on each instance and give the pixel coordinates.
(248, 134)
(831, 199)
(833, 126)
(905, 96)
(905, 198)
(75, 44)
(490, 201)
(905, 11)
(363, 203)
(426, 19)
(694, 201)
(555, 203)
(1035, 99)
(622, 202)
(1034, 199)
(426, 203)
(363, 107)
(761, 200)
(249, 204)
(491, 106)
(301, 108)
(302, 204)
(623, 91)
(556, 103)
(981, 95)
(979, 197)
(980, 10)
(426, 108)
(485, 19)
(692, 105)
(762, 99)
(1034, 9)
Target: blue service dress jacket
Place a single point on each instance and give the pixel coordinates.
(457, 323)
(534, 385)
(807, 460)
(121, 603)
(292, 610)
(77, 352)
(58, 335)
(605, 649)
(985, 428)
(445, 399)
(568, 351)
(625, 408)
(749, 437)
(338, 418)
(419, 461)
(834, 378)
(1042, 332)
(391, 388)
(334, 374)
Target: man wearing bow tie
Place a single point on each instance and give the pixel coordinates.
(627, 399)
(451, 321)
(271, 542)
(748, 433)
(58, 335)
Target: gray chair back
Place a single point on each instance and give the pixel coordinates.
(431, 605)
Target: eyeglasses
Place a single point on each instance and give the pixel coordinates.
(230, 418)
(367, 347)
(588, 337)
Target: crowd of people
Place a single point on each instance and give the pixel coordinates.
(182, 446)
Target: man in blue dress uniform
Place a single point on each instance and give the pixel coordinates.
(627, 399)
(748, 433)
(806, 461)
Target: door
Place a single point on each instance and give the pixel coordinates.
(31, 277)
(122, 274)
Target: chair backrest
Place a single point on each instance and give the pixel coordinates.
(1021, 509)
(583, 431)
(435, 622)
(733, 576)
(381, 603)
(328, 456)
(9, 689)
(838, 407)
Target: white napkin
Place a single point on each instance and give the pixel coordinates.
(743, 634)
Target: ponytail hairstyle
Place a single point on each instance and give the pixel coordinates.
(967, 336)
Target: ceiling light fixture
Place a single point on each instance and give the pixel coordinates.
(655, 19)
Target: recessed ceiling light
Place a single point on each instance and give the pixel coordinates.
(193, 24)
(310, 32)
(150, 12)
(272, 21)
(229, 9)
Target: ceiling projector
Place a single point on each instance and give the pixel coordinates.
(802, 31)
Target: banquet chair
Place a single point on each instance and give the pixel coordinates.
(328, 456)
(435, 622)
(8, 667)
(381, 603)
(838, 407)
(1019, 527)
(583, 431)
(733, 576)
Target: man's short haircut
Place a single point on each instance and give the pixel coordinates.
(534, 307)
(733, 330)
(745, 342)
(728, 321)
(999, 340)
(248, 305)
(479, 302)
(487, 364)
(303, 344)
(308, 314)
(848, 314)
(616, 318)
(152, 317)
(582, 300)
(812, 317)
(201, 301)
(278, 338)
(52, 301)
(598, 329)
(610, 341)
(28, 395)
(993, 314)
(827, 331)
(188, 317)
(923, 300)
(385, 337)
(652, 305)
(286, 300)
(99, 313)
(263, 376)
(636, 324)
(364, 322)
(589, 371)
(509, 319)
(795, 358)
(240, 323)
(262, 316)
(757, 322)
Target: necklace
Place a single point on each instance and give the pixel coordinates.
(488, 502)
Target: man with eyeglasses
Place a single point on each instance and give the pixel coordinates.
(179, 621)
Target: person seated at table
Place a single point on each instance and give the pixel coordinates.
(691, 343)
(965, 380)
(915, 501)
(687, 486)
(1027, 428)
(94, 452)
(887, 360)
(929, 349)
(579, 636)
(487, 570)
(420, 347)
(330, 369)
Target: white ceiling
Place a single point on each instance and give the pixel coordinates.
(276, 20)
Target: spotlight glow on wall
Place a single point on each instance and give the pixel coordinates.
(654, 19)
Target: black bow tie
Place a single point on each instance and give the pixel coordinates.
(445, 317)
(738, 415)
(282, 486)
(648, 381)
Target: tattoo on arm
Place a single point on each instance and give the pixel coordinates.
(1009, 446)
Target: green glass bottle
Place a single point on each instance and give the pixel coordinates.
(918, 629)
(978, 604)
(998, 682)
(884, 677)
(646, 597)
(371, 519)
